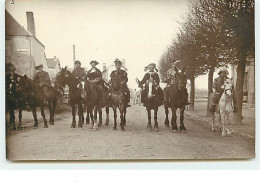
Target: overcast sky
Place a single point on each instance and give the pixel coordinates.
(138, 31)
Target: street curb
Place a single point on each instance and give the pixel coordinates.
(206, 122)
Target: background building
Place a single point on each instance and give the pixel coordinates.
(53, 67)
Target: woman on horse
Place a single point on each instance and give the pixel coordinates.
(151, 74)
(218, 89)
(123, 77)
(94, 76)
(79, 73)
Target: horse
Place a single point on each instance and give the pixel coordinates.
(94, 104)
(152, 102)
(177, 100)
(35, 97)
(225, 109)
(118, 101)
(65, 77)
(14, 100)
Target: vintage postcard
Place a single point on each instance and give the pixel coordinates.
(129, 80)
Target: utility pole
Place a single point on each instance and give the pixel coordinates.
(74, 54)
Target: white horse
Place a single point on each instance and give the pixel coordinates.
(225, 109)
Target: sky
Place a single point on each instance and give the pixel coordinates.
(138, 31)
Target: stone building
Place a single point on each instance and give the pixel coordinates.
(54, 67)
(22, 48)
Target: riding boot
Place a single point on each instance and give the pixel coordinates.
(234, 101)
(128, 98)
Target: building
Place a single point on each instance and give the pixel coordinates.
(22, 48)
(54, 67)
(249, 80)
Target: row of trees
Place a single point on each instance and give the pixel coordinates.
(213, 33)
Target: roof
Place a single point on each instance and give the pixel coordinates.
(13, 28)
(52, 62)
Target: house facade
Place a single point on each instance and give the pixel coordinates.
(22, 48)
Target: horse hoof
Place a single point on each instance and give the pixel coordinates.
(51, 123)
(214, 130)
(73, 126)
(45, 126)
(223, 134)
(183, 131)
(167, 125)
(122, 129)
(174, 131)
(156, 130)
(95, 129)
(114, 128)
(106, 123)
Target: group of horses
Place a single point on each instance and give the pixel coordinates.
(28, 93)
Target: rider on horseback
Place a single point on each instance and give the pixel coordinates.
(79, 73)
(42, 77)
(151, 74)
(94, 76)
(124, 79)
(218, 89)
(170, 75)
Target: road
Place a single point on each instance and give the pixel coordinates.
(60, 142)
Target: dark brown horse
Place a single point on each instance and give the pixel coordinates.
(65, 77)
(35, 97)
(14, 100)
(177, 100)
(95, 100)
(118, 101)
(152, 102)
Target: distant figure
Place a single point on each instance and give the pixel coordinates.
(137, 97)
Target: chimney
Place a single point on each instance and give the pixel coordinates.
(30, 23)
(104, 66)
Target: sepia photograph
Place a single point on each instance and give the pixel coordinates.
(129, 80)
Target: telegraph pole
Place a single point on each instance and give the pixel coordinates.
(74, 54)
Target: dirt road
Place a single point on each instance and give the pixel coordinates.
(60, 142)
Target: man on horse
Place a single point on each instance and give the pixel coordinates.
(170, 77)
(151, 74)
(10, 77)
(124, 79)
(42, 77)
(218, 88)
(79, 73)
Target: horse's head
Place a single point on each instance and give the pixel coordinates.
(228, 86)
(63, 77)
(22, 83)
(180, 78)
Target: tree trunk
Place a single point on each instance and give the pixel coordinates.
(210, 86)
(192, 92)
(241, 67)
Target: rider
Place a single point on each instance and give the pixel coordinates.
(218, 88)
(42, 77)
(10, 77)
(94, 76)
(152, 73)
(170, 74)
(80, 74)
(123, 77)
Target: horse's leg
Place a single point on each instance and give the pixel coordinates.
(34, 117)
(227, 125)
(95, 118)
(124, 116)
(90, 110)
(107, 115)
(166, 123)
(87, 118)
(100, 116)
(213, 127)
(54, 103)
(80, 111)
(182, 127)
(115, 117)
(223, 122)
(149, 126)
(43, 115)
(51, 111)
(155, 120)
(173, 122)
(73, 111)
(20, 117)
(12, 119)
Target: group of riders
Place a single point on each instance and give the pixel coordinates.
(94, 75)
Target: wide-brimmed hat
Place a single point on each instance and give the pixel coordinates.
(77, 62)
(38, 66)
(8, 66)
(117, 61)
(152, 65)
(94, 61)
(223, 70)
